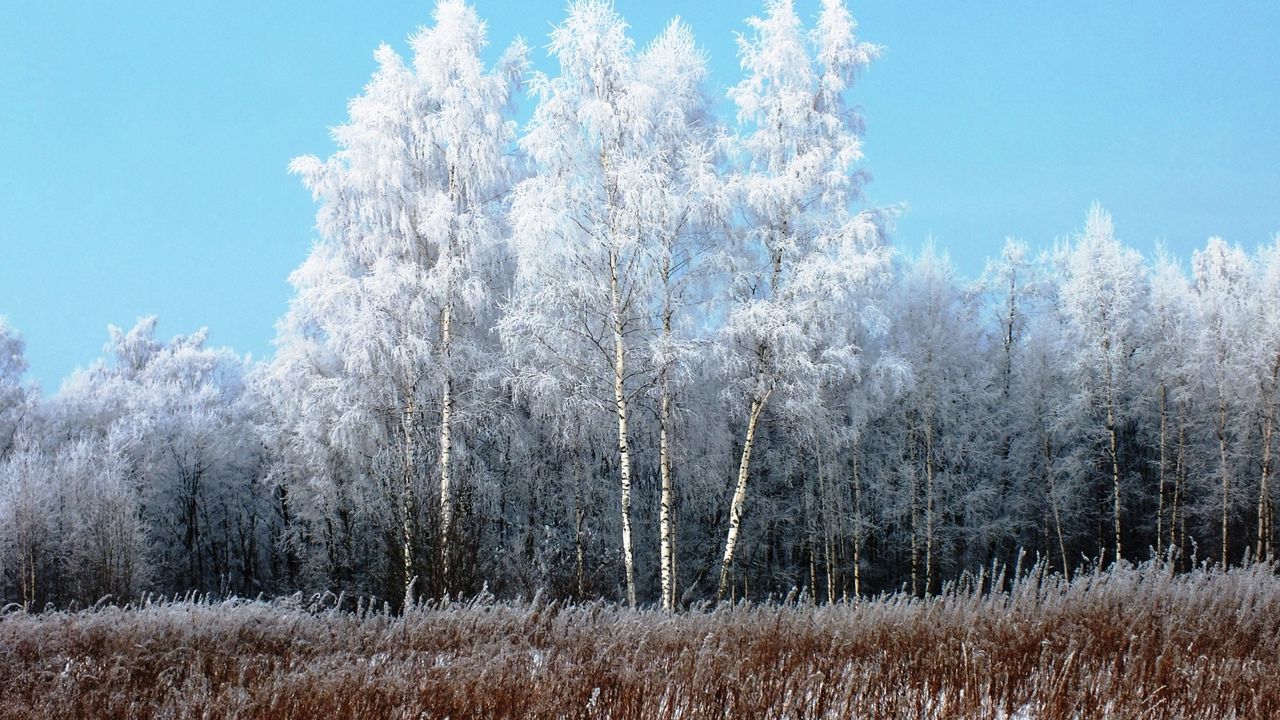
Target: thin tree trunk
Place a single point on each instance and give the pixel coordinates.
(579, 515)
(928, 510)
(857, 530)
(1264, 484)
(408, 504)
(620, 403)
(1160, 473)
(740, 492)
(1225, 469)
(1053, 503)
(1115, 459)
(446, 400)
(446, 445)
(811, 529)
(665, 530)
(828, 542)
(27, 570)
(1264, 493)
(1177, 522)
(914, 482)
(668, 494)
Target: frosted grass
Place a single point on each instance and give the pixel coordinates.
(1123, 643)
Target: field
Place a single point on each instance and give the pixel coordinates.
(1126, 643)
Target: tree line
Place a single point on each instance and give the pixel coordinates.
(632, 349)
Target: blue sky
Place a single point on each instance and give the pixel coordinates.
(143, 144)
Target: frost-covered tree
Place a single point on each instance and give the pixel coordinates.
(597, 230)
(1043, 409)
(800, 248)
(1173, 331)
(28, 545)
(1265, 368)
(1015, 287)
(100, 526)
(683, 208)
(1223, 279)
(178, 413)
(1223, 283)
(963, 510)
(16, 398)
(410, 219)
(1104, 298)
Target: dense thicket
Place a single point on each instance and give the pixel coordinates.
(636, 350)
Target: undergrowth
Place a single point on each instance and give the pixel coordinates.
(1130, 642)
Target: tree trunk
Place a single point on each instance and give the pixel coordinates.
(665, 530)
(620, 403)
(1264, 493)
(857, 530)
(740, 492)
(664, 521)
(914, 482)
(1115, 459)
(928, 508)
(1160, 473)
(407, 503)
(1268, 392)
(1225, 470)
(446, 400)
(1177, 521)
(446, 444)
(828, 540)
(1053, 502)
(579, 516)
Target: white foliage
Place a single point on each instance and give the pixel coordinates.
(803, 259)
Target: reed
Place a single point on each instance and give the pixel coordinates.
(1128, 642)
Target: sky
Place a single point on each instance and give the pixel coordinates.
(144, 143)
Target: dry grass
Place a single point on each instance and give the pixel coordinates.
(1130, 643)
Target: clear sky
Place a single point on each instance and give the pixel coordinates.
(143, 143)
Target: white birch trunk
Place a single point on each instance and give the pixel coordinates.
(446, 407)
(1177, 520)
(665, 530)
(740, 492)
(620, 403)
(1264, 484)
(446, 450)
(1264, 493)
(1053, 502)
(1115, 457)
(407, 502)
(1160, 502)
(928, 508)
(1225, 469)
(579, 517)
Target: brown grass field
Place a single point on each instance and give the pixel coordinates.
(1134, 642)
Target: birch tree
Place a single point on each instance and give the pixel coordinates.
(1044, 413)
(1173, 331)
(682, 204)
(583, 226)
(1104, 299)
(1223, 278)
(1265, 367)
(800, 245)
(410, 212)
